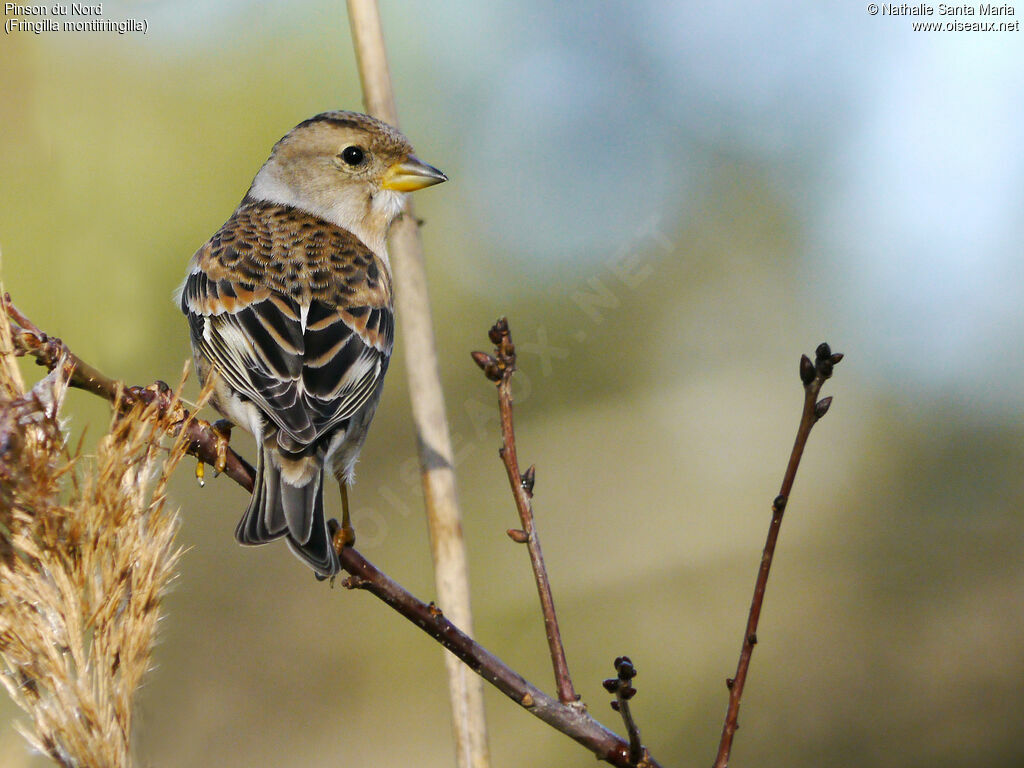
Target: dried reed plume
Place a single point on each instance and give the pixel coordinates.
(86, 552)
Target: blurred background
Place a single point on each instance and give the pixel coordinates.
(671, 202)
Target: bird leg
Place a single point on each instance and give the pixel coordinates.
(346, 535)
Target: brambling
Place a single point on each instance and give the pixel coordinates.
(290, 311)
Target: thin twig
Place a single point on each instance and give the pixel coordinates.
(499, 369)
(571, 720)
(451, 572)
(813, 375)
(622, 686)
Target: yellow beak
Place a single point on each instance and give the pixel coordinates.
(411, 174)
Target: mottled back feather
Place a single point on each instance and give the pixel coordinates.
(296, 315)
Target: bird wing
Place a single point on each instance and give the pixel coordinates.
(294, 313)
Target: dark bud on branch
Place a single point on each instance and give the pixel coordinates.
(528, 478)
(482, 359)
(505, 350)
(498, 331)
(825, 360)
(517, 535)
(490, 366)
(625, 668)
(626, 672)
(806, 369)
(821, 407)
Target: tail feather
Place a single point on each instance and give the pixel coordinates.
(279, 508)
(298, 505)
(318, 549)
(252, 529)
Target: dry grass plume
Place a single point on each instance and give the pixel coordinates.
(86, 551)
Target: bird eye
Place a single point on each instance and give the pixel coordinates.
(353, 155)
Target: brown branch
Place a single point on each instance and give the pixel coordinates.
(570, 720)
(813, 375)
(499, 369)
(203, 439)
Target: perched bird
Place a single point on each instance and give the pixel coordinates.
(290, 311)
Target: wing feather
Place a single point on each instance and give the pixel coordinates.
(309, 343)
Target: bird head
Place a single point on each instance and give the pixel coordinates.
(347, 168)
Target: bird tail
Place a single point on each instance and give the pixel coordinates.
(288, 500)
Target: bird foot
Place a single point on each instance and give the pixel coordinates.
(222, 432)
(344, 537)
(341, 535)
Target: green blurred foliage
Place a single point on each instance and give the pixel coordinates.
(658, 398)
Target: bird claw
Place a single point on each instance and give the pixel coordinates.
(345, 536)
(341, 535)
(222, 434)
